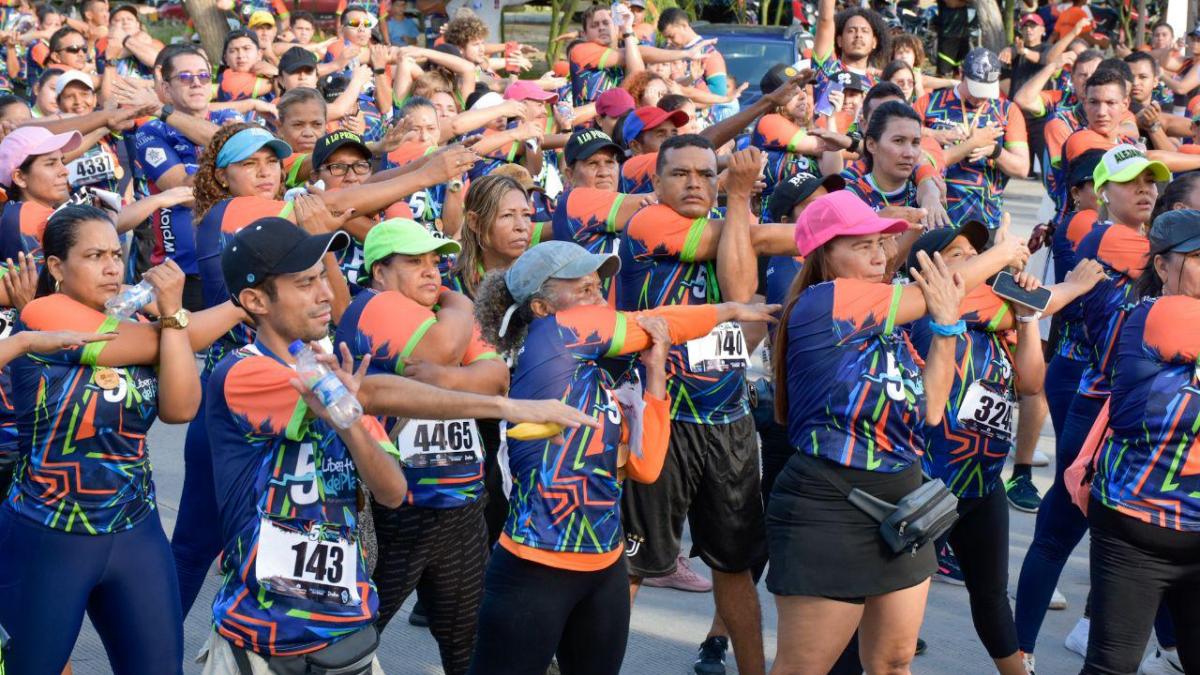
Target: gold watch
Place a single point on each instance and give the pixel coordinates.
(177, 320)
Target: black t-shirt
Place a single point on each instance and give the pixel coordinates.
(1021, 69)
(952, 22)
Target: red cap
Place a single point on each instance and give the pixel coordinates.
(1032, 18)
(614, 103)
(649, 117)
(524, 90)
(840, 214)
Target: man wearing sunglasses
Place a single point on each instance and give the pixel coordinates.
(166, 151)
(69, 50)
(353, 50)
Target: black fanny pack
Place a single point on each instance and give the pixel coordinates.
(352, 655)
(920, 517)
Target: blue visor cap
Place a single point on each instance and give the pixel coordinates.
(246, 142)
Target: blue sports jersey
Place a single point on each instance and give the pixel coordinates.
(1069, 231)
(1122, 252)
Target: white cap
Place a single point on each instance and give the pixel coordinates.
(488, 100)
(72, 76)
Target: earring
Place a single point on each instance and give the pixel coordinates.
(57, 285)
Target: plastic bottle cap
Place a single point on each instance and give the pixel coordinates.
(296, 347)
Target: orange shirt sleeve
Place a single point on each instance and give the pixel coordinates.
(656, 435)
(663, 232)
(589, 55)
(1167, 328)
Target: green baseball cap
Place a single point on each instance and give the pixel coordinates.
(406, 237)
(1124, 163)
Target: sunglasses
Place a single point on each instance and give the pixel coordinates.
(340, 169)
(77, 49)
(368, 22)
(188, 79)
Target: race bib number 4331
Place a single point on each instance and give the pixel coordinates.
(306, 565)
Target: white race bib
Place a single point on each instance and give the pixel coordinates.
(987, 411)
(8, 317)
(306, 565)
(425, 443)
(723, 348)
(91, 169)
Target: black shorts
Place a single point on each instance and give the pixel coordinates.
(824, 546)
(711, 478)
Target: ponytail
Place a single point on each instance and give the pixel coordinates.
(813, 272)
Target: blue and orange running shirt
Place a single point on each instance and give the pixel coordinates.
(21, 227)
(214, 233)
(83, 464)
(1068, 234)
(442, 459)
(967, 450)
(973, 189)
(855, 394)
(637, 173)
(294, 576)
(588, 217)
(593, 71)
(1122, 251)
(1149, 468)
(564, 504)
(778, 138)
(659, 267)
(863, 185)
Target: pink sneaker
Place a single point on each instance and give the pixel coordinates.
(684, 578)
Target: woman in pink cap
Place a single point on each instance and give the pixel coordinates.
(35, 180)
(856, 403)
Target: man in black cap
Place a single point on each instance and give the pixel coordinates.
(294, 582)
(591, 212)
(790, 198)
(297, 68)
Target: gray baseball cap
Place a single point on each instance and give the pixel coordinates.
(552, 260)
(1177, 230)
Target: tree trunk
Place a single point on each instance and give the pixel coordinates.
(210, 25)
(1010, 19)
(991, 24)
(1140, 38)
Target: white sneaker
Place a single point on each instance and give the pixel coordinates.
(1040, 458)
(1078, 638)
(1058, 600)
(1161, 662)
(1027, 661)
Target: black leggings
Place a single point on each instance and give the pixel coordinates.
(1134, 567)
(442, 554)
(532, 612)
(980, 541)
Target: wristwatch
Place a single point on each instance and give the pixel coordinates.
(166, 111)
(178, 320)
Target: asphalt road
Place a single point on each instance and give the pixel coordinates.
(668, 625)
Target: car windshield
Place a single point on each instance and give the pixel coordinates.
(747, 59)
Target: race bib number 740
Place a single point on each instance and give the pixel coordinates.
(723, 348)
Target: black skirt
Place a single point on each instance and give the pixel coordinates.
(821, 545)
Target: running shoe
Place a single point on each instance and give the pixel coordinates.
(1027, 661)
(1161, 662)
(684, 578)
(921, 647)
(948, 570)
(1058, 601)
(711, 658)
(1078, 638)
(417, 616)
(1023, 494)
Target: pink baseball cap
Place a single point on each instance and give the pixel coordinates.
(614, 103)
(524, 90)
(26, 142)
(839, 214)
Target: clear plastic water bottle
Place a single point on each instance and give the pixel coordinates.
(566, 113)
(125, 304)
(619, 12)
(344, 409)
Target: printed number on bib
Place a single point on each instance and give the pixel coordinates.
(425, 443)
(721, 349)
(987, 411)
(7, 317)
(304, 565)
(91, 169)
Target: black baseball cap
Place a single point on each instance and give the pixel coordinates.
(851, 81)
(332, 142)
(297, 58)
(795, 190)
(585, 143)
(1083, 167)
(938, 239)
(1177, 231)
(776, 77)
(333, 85)
(273, 246)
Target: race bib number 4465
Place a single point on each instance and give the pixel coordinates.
(306, 565)
(424, 443)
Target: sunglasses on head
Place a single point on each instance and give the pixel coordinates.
(368, 22)
(74, 49)
(187, 78)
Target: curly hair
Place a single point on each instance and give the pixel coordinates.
(480, 208)
(207, 187)
(912, 43)
(637, 84)
(492, 300)
(463, 29)
(878, 27)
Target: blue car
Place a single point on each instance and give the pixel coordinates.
(750, 51)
